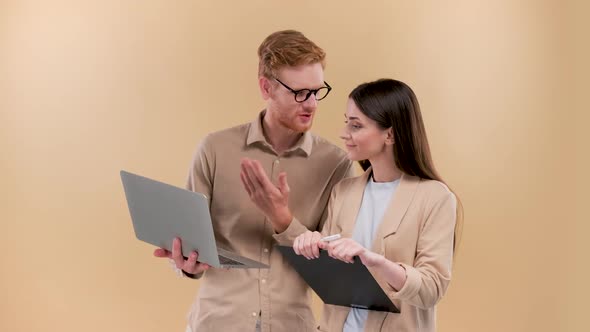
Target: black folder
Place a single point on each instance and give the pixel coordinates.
(340, 283)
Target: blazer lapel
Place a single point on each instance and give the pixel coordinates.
(397, 209)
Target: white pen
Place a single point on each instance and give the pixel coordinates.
(330, 238)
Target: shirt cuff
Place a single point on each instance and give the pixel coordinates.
(287, 237)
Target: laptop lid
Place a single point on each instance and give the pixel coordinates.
(160, 212)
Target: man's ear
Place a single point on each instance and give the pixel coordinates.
(265, 87)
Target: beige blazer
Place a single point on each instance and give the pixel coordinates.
(416, 232)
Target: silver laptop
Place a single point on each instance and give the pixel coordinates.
(160, 212)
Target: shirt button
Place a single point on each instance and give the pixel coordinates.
(265, 250)
(253, 314)
(263, 281)
(276, 162)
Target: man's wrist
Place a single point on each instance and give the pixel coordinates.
(282, 220)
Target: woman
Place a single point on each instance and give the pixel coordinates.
(399, 217)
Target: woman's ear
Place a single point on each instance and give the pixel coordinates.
(389, 139)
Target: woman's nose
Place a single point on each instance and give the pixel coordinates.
(344, 135)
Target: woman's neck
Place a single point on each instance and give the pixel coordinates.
(384, 169)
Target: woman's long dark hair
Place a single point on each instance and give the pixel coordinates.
(393, 104)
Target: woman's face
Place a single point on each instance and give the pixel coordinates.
(363, 138)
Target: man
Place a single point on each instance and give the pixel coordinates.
(291, 81)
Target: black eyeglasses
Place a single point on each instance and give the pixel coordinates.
(304, 94)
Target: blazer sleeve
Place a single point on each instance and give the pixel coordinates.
(429, 278)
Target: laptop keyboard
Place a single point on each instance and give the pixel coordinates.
(228, 261)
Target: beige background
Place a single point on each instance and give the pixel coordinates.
(88, 88)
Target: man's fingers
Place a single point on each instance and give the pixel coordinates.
(201, 267)
(251, 176)
(191, 262)
(162, 253)
(246, 183)
(258, 171)
(245, 178)
(177, 253)
(192, 265)
(250, 179)
(283, 185)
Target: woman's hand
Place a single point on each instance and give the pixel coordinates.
(345, 249)
(307, 244)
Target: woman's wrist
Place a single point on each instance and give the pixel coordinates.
(375, 260)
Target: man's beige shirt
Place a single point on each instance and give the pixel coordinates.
(233, 299)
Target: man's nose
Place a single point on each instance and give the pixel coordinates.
(311, 102)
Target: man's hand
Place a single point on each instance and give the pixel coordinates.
(190, 265)
(272, 200)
